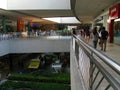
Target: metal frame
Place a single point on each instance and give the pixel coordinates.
(95, 65)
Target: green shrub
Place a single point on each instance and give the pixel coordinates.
(10, 85)
(56, 78)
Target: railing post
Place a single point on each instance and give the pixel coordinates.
(91, 73)
(91, 76)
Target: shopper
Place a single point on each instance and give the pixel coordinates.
(99, 33)
(87, 34)
(74, 31)
(95, 37)
(104, 36)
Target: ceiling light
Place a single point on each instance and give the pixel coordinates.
(116, 20)
(63, 19)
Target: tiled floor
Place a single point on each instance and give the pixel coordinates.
(112, 51)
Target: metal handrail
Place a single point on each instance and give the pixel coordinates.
(114, 65)
(111, 63)
(104, 72)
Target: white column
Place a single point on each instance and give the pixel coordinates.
(105, 23)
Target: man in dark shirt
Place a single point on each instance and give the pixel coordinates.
(74, 31)
(104, 36)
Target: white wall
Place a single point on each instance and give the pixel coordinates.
(4, 47)
(39, 45)
(34, 45)
(38, 4)
(3, 4)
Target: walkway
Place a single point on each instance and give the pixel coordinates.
(112, 51)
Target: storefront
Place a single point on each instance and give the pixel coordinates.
(114, 25)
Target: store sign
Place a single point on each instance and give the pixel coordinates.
(114, 11)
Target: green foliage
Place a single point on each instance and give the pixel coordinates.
(55, 78)
(10, 85)
(37, 81)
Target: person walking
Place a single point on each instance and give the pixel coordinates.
(104, 36)
(87, 34)
(74, 31)
(99, 33)
(95, 37)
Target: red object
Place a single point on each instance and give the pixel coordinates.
(114, 11)
(111, 32)
(31, 24)
(20, 26)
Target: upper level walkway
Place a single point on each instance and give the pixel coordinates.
(112, 51)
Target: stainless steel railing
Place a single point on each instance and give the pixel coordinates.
(98, 71)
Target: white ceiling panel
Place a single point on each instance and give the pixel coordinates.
(88, 10)
(3, 4)
(38, 4)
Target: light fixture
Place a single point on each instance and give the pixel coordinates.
(63, 19)
(116, 20)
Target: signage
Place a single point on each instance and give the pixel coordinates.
(34, 64)
(114, 11)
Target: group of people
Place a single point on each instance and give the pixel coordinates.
(101, 37)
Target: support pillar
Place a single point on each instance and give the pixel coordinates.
(105, 24)
(20, 26)
(4, 24)
(111, 31)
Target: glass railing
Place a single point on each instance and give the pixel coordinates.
(13, 35)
